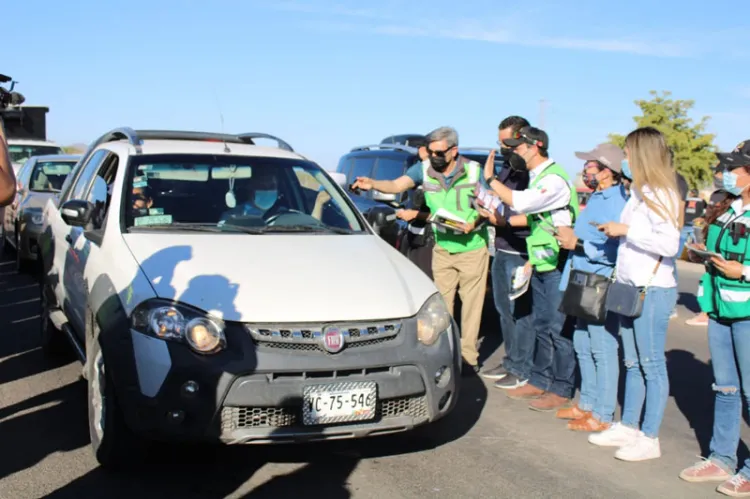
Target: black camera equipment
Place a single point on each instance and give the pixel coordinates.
(7, 96)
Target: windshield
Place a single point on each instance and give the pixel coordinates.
(234, 193)
(49, 176)
(19, 153)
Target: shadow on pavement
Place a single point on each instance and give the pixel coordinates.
(689, 301)
(691, 383)
(55, 421)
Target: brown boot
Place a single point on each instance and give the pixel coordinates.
(548, 402)
(572, 412)
(526, 392)
(588, 423)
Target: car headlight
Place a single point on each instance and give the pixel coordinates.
(173, 322)
(432, 319)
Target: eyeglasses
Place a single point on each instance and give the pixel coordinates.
(439, 154)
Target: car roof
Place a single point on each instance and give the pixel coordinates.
(32, 142)
(151, 147)
(57, 157)
(139, 142)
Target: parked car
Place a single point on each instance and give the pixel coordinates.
(39, 179)
(206, 284)
(21, 150)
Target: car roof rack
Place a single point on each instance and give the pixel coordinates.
(407, 139)
(398, 147)
(136, 137)
(477, 148)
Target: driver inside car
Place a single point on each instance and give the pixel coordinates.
(263, 200)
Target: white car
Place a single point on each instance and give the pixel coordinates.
(21, 150)
(220, 290)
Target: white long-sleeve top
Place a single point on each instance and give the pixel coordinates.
(649, 237)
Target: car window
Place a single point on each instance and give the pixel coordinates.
(89, 170)
(234, 193)
(389, 168)
(22, 175)
(345, 166)
(21, 152)
(49, 176)
(363, 167)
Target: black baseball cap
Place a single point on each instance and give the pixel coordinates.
(740, 156)
(529, 135)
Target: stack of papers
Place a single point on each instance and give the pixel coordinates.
(520, 281)
(488, 200)
(448, 220)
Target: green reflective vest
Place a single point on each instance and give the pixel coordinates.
(720, 297)
(455, 198)
(543, 248)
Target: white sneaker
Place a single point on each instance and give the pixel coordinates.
(616, 436)
(642, 449)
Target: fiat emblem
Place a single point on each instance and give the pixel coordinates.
(333, 339)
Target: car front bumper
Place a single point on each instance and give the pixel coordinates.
(254, 393)
(28, 241)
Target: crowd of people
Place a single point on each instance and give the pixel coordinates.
(598, 277)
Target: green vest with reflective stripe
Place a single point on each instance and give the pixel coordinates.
(455, 198)
(719, 296)
(543, 248)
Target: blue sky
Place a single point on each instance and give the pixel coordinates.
(330, 75)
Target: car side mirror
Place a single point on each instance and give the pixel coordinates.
(386, 198)
(339, 178)
(77, 213)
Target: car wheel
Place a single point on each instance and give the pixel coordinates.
(112, 441)
(53, 341)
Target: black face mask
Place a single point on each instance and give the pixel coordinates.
(439, 164)
(513, 160)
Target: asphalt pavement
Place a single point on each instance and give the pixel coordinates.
(490, 446)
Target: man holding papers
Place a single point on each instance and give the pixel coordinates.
(508, 268)
(460, 257)
(549, 202)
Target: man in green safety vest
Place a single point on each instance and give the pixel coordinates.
(549, 202)
(460, 257)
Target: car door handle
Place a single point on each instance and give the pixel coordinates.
(69, 238)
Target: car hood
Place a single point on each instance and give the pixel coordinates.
(283, 278)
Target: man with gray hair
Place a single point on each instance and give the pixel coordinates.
(460, 257)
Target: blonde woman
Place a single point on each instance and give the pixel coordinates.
(649, 232)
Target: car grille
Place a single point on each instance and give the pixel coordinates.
(238, 418)
(310, 338)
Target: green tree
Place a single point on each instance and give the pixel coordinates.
(71, 150)
(693, 148)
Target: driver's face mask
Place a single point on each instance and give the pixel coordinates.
(266, 197)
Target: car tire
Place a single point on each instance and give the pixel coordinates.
(53, 341)
(112, 442)
(23, 266)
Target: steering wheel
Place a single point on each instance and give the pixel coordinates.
(286, 212)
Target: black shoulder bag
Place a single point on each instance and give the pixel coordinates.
(585, 295)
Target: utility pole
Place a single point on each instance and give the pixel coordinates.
(542, 104)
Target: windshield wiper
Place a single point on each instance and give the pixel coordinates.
(198, 227)
(306, 228)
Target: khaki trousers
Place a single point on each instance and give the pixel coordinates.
(467, 272)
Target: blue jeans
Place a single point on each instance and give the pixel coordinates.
(596, 347)
(515, 316)
(554, 362)
(729, 344)
(643, 343)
